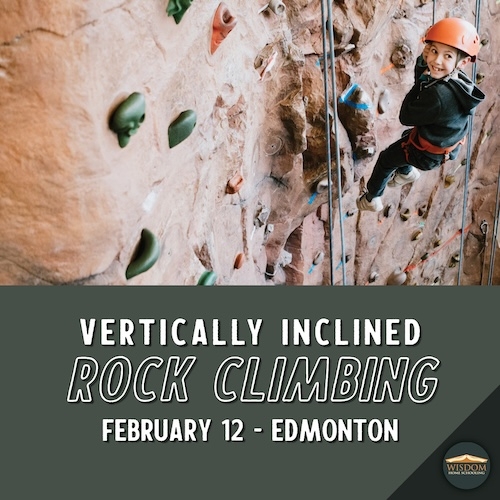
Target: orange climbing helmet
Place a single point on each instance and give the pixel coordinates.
(457, 33)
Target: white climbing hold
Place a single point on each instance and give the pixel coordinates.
(268, 65)
(322, 185)
(276, 6)
(397, 277)
(383, 101)
(318, 259)
(148, 203)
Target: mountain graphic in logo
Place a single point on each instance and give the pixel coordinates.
(466, 459)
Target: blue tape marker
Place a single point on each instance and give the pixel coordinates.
(312, 198)
(322, 58)
(344, 99)
(311, 269)
(357, 105)
(345, 96)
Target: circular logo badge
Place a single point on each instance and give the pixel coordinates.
(466, 465)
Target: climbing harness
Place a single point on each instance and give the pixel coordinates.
(422, 144)
(495, 231)
(326, 22)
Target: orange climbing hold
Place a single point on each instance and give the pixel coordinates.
(239, 261)
(387, 68)
(235, 184)
(222, 25)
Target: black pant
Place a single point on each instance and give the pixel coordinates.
(393, 158)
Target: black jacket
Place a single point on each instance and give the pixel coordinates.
(440, 109)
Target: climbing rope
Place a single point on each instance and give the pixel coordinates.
(328, 141)
(326, 21)
(469, 148)
(495, 231)
(411, 267)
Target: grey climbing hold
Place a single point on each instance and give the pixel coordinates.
(449, 180)
(384, 101)
(285, 258)
(267, 231)
(318, 259)
(397, 277)
(270, 271)
(388, 210)
(357, 114)
(417, 235)
(422, 210)
(373, 277)
(401, 56)
(274, 146)
(262, 216)
(455, 259)
(405, 215)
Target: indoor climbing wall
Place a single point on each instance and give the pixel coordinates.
(182, 142)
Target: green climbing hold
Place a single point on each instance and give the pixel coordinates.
(181, 127)
(177, 9)
(208, 278)
(127, 117)
(146, 255)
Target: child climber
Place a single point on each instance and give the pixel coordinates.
(437, 107)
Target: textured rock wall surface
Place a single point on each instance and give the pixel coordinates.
(74, 204)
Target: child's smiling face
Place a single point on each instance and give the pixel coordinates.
(442, 60)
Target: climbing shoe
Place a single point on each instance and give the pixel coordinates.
(372, 206)
(402, 179)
